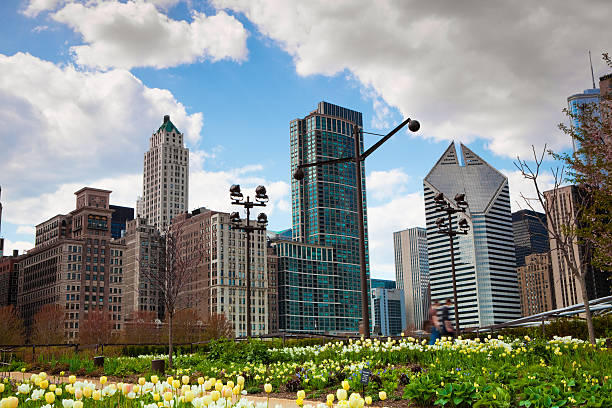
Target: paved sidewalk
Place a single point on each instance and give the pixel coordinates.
(285, 403)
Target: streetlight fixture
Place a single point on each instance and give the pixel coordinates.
(443, 228)
(358, 157)
(261, 198)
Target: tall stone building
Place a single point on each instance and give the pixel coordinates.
(319, 272)
(75, 265)
(536, 284)
(530, 234)
(562, 206)
(9, 278)
(487, 284)
(412, 273)
(166, 176)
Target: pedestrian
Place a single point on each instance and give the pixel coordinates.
(446, 326)
(434, 322)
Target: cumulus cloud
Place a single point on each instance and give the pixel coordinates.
(21, 246)
(385, 184)
(138, 34)
(62, 125)
(521, 187)
(26, 229)
(402, 212)
(35, 7)
(465, 69)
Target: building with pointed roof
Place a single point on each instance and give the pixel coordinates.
(166, 176)
(485, 261)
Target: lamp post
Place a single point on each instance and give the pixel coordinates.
(357, 158)
(447, 230)
(261, 198)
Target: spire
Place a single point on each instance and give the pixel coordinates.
(592, 75)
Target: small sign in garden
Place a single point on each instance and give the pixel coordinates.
(365, 376)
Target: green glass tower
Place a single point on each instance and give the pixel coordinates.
(324, 297)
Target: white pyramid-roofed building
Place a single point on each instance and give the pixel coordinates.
(485, 265)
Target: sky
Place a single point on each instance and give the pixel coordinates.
(84, 84)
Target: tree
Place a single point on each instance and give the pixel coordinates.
(96, 328)
(188, 326)
(590, 167)
(141, 327)
(563, 227)
(11, 326)
(217, 327)
(182, 253)
(48, 327)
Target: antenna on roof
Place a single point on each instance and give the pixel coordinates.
(592, 75)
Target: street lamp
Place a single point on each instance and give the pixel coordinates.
(464, 227)
(261, 198)
(358, 157)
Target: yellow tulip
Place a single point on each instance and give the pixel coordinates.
(215, 395)
(1, 388)
(10, 402)
(189, 396)
(207, 400)
(299, 402)
(236, 390)
(200, 380)
(185, 379)
(42, 375)
(78, 394)
(345, 385)
(72, 379)
(382, 395)
(142, 381)
(167, 396)
(301, 394)
(330, 398)
(368, 400)
(52, 387)
(240, 380)
(341, 394)
(156, 397)
(78, 404)
(268, 388)
(87, 392)
(176, 384)
(154, 379)
(96, 395)
(103, 380)
(58, 391)
(61, 373)
(50, 397)
(136, 389)
(43, 384)
(219, 386)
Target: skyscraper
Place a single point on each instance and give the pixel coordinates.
(487, 283)
(166, 176)
(121, 215)
(576, 104)
(530, 234)
(319, 273)
(412, 273)
(388, 314)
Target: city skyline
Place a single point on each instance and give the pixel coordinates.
(232, 95)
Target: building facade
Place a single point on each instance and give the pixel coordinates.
(75, 265)
(121, 215)
(412, 273)
(562, 207)
(530, 234)
(272, 263)
(166, 176)
(382, 283)
(575, 105)
(325, 216)
(388, 311)
(9, 279)
(536, 284)
(487, 285)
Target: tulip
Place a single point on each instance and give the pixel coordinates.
(169, 380)
(142, 381)
(382, 395)
(215, 395)
(50, 397)
(78, 394)
(240, 380)
(200, 380)
(52, 387)
(341, 394)
(185, 379)
(236, 390)
(42, 375)
(1, 388)
(58, 391)
(87, 392)
(136, 388)
(368, 400)
(219, 386)
(299, 402)
(78, 404)
(330, 398)
(10, 402)
(103, 380)
(43, 384)
(189, 396)
(167, 396)
(268, 388)
(72, 379)
(156, 397)
(67, 403)
(345, 385)
(207, 400)
(301, 394)
(96, 395)
(176, 384)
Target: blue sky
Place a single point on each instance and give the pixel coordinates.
(84, 84)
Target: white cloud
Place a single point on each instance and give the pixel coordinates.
(36, 7)
(465, 70)
(26, 229)
(386, 184)
(521, 187)
(21, 246)
(399, 213)
(63, 126)
(138, 34)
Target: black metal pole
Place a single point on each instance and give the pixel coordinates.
(452, 249)
(248, 270)
(365, 308)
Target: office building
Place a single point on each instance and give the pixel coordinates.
(388, 311)
(9, 278)
(324, 222)
(562, 207)
(166, 176)
(536, 284)
(272, 290)
(577, 102)
(75, 265)
(530, 234)
(218, 283)
(144, 250)
(119, 219)
(487, 286)
(412, 273)
(382, 283)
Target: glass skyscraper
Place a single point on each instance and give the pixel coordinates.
(324, 222)
(487, 284)
(575, 105)
(530, 234)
